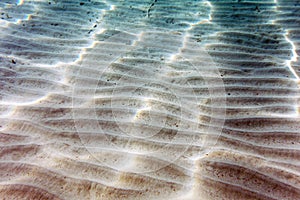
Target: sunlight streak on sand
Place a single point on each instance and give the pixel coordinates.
(20, 2)
(294, 56)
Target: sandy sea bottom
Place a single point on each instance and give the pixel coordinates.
(149, 99)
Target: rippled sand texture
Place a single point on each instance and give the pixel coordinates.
(123, 99)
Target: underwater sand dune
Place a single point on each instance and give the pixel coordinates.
(149, 100)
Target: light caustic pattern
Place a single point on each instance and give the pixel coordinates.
(152, 110)
(123, 99)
